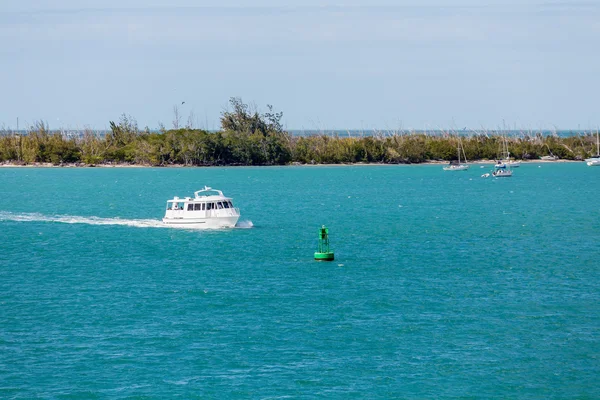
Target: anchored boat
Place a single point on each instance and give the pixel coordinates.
(595, 160)
(502, 173)
(456, 165)
(208, 209)
(505, 157)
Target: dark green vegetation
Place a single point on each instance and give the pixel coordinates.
(250, 138)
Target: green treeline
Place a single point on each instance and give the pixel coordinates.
(250, 138)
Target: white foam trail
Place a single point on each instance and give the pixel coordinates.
(73, 219)
(244, 224)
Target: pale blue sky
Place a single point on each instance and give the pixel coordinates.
(325, 64)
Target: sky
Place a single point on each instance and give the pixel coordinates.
(405, 64)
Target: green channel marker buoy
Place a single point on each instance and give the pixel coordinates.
(323, 253)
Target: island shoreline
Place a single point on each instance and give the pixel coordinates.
(129, 165)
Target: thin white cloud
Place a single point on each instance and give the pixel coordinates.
(272, 24)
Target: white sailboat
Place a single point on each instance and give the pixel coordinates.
(502, 169)
(456, 165)
(505, 159)
(595, 160)
(502, 173)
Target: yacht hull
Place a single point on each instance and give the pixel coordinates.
(202, 223)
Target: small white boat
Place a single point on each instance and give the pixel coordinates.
(208, 209)
(594, 162)
(502, 173)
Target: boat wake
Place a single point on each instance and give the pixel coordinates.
(73, 219)
(244, 225)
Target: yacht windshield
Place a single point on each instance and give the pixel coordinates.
(174, 206)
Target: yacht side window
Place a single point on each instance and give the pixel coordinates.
(197, 207)
(226, 204)
(230, 204)
(220, 205)
(203, 206)
(208, 206)
(190, 207)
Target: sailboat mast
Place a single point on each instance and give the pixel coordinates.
(460, 146)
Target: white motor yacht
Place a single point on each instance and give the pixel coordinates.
(208, 209)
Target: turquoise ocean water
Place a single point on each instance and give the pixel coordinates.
(444, 284)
